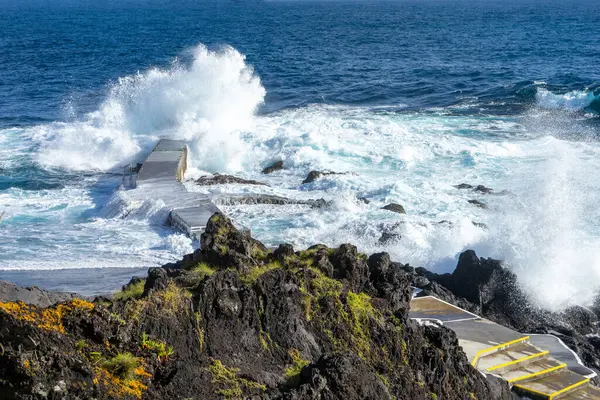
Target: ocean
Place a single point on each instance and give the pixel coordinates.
(406, 98)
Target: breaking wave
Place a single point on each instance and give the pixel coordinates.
(207, 99)
(576, 100)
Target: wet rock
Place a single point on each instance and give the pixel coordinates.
(480, 224)
(32, 295)
(464, 186)
(222, 179)
(479, 188)
(483, 189)
(397, 208)
(278, 165)
(364, 200)
(478, 203)
(255, 199)
(389, 237)
(314, 175)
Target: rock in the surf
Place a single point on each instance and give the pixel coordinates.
(394, 207)
(273, 167)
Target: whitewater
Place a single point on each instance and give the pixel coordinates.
(541, 219)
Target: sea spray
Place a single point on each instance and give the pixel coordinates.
(207, 101)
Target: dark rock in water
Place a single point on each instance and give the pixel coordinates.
(464, 186)
(237, 320)
(479, 224)
(274, 167)
(314, 175)
(364, 200)
(478, 204)
(397, 208)
(219, 179)
(389, 237)
(32, 295)
(447, 223)
(478, 188)
(255, 199)
(483, 189)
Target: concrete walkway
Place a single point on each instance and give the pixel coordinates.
(159, 179)
(536, 366)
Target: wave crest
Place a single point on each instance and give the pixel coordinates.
(209, 98)
(575, 100)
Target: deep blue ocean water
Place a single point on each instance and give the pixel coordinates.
(410, 96)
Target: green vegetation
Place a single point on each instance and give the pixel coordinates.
(251, 276)
(362, 312)
(233, 386)
(134, 291)
(80, 345)
(203, 269)
(123, 365)
(292, 373)
(433, 396)
(160, 348)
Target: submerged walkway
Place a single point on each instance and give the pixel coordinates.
(536, 366)
(160, 177)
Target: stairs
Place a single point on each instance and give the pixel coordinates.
(535, 372)
(532, 371)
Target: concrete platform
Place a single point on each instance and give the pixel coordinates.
(585, 392)
(432, 308)
(553, 385)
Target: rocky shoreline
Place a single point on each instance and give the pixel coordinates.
(237, 320)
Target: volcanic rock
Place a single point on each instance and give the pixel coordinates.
(276, 166)
(397, 208)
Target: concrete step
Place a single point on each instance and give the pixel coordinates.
(551, 386)
(510, 358)
(538, 368)
(583, 392)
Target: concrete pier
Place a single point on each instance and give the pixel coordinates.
(159, 179)
(536, 366)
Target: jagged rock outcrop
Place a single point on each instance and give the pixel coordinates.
(236, 320)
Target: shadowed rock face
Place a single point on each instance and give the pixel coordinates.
(236, 320)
